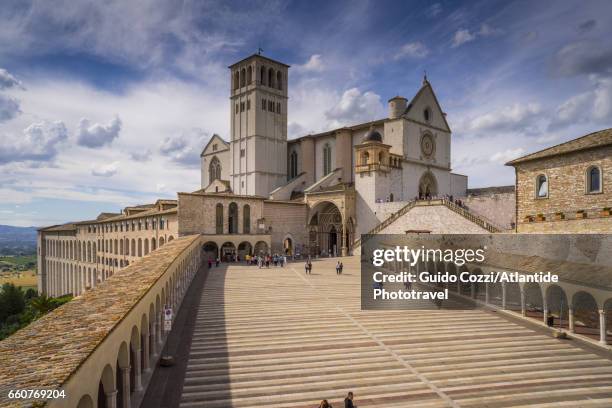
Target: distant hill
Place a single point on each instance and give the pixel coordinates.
(17, 240)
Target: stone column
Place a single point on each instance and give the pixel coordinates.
(111, 399)
(125, 386)
(147, 352)
(545, 310)
(473, 291)
(486, 292)
(160, 330)
(503, 296)
(602, 327)
(343, 240)
(154, 334)
(137, 370)
(570, 317)
(523, 306)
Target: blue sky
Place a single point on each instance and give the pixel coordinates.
(108, 104)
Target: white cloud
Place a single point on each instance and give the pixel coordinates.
(507, 155)
(412, 50)
(434, 10)
(8, 81)
(592, 106)
(39, 143)
(9, 108)
(107, 170)
(314, 64)
(462, 36)
(519, 116)
(354, 107)
(185, 148)
(98, 135)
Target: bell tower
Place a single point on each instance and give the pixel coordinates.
(258, 117)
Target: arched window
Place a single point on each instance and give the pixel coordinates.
(327, 159)
(219, 218)
(246, 219)
(236, 80)
(271, 78)
(380, 157)
(279, 80)
(232, 218)
(249, 75)
(365, 157)
(293, 165)
(593, 180)
(391, 197)
(262, 78)
(242, 77)
(214, 169)
(542, 186)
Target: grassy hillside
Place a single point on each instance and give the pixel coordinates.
(17, 240)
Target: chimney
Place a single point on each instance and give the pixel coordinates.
(397, 106)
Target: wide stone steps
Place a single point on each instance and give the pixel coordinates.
(276, 338)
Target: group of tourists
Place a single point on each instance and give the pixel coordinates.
(217, 261)
(308, 267)
(348, 402)
(267, 260)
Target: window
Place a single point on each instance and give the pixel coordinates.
(248, 104)
(236, 109)
(271, 78)
(427, 114)
(542, 186)
(593, 180)
(236, 80)
(293, 165)
(365, 158)
(214, 147)
(232, 218)
(246, 219)
(241, 106)
(242, 153)
(271, 106)
(278, 107)
(262, 78)
(263, 104)
(214, 170)
(243, 77)
(219, 218)
(279, 80)
(249, 75)
(326, 159)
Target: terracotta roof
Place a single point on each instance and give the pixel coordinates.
(47, 352)
(259, 56)
(592, 140)
(106, 215)
(331, 132)
(64, 227)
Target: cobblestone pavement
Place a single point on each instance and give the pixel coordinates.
(278, 338)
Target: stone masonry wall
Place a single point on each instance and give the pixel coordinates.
(286, 219)
(566, 192)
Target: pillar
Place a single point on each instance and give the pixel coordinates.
(137, 370)
(487, 292)
(160, 330)
(570, 317)
(146, 352)
(602, 327)
(545, 309)
(125, 386)
(343, 240)
(473, 291)
(503, 296)
(111, 399)
(154, 334)
(523, 306)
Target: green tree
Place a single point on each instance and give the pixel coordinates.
(42, 304)
(12, 301)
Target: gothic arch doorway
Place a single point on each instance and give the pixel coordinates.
(288, 246)
(328, 232)
(428, 185)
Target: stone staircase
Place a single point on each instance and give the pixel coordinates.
(279, 339)
(411, 204)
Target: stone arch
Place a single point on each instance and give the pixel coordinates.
(288, 245)
(170, 238)
(211, 249)
(123, 367)
(133, 251)
(325, 228)
(246, 219)
(161, 241)
(271, 78)
(153, 245)
(85, 402)
(593, 179)
(262, 76)
(586, 313)
(428, 185)
(261, 248)
(214, 169)
(557, 304)
(134, 359)
(245, 248)
(228, 251)
(242, 77)
(249, 75)
(219, 218)
(139, 247)
(144, 342)
(106, 387)
(534, 301)
(513, 296)
(146, 246)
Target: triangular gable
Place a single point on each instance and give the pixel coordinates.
(426, 97)
(217, 138)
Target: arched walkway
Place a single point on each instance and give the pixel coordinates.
(261, 248)
(211, 250)
(586, 314)
(244, 248)
(228, 251)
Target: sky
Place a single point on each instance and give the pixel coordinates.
(109, 104)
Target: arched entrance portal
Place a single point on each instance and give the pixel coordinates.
(261, 248)
(428, 185)
(288, 246)
(328, 233)
(228, 251)
(244, 249)
(211, 250)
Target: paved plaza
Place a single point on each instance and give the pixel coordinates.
(278, 338)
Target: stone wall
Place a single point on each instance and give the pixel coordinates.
(566, 192)
(496, 205)
(286, 219)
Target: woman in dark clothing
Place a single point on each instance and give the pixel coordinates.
(348, 401)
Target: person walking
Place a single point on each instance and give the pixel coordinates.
(217, 261)
(341, 267)
(348, 401)
(209, 263)
(338, 268)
